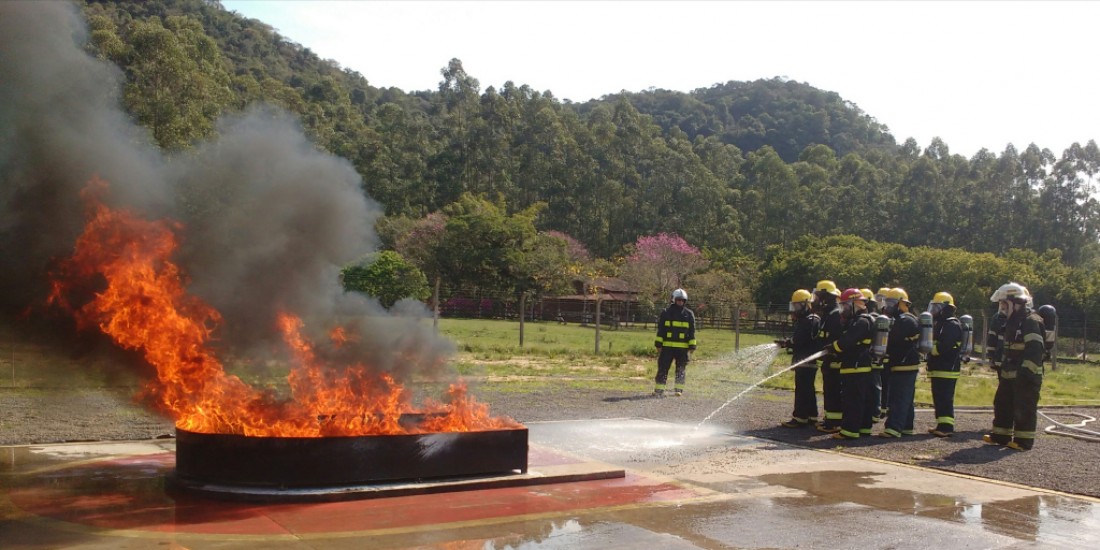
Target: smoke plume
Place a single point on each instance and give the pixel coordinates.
(267, 219)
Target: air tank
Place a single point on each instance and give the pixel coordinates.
(924, 345)
(968, 335)
(1050, 320)
(882, 335)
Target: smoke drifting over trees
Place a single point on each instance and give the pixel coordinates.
(266, 218)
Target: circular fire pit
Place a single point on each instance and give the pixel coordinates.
(319, 462)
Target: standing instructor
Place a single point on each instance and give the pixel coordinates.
(675, 341)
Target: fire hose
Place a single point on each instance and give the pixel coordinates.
(1076, 431)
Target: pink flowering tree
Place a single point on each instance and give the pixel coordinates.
(420, 245)
(658, 264)
(574, 250)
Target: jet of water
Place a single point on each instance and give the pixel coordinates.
(750, 388)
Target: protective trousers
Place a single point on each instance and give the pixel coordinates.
(831, 393)
(805, 396)
(1015, 407)
(943, 399)
(856, 390)
(664, 362)
(903, 386)
(876, 399)
(884, 389)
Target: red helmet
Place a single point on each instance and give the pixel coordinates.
(852, 294)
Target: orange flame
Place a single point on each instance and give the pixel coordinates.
(142, 304)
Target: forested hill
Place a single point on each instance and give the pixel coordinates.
(734, 168)
(783, 114)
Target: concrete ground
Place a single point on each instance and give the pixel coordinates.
(684, 487)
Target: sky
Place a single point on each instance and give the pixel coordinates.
(980, 74)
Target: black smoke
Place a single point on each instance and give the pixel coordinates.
(267, 218)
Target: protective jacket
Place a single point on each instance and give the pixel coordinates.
(995, 338)
(1024, 344)
(804, 340)
(676, 328)
(947, 337)
(902, 346)
(854, 346)
(832, 327)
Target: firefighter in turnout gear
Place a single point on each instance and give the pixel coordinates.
(944, 361)
(802, 344)
(1015, 405)
(825, 295)
(902, 363)
(876, 397)
(884, 372)
(853, 348)
(995, 338)
(675, 342)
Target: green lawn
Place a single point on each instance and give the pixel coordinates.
(489, 351)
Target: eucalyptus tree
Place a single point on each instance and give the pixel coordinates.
(177, 82)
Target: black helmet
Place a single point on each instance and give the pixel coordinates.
(1049, 315)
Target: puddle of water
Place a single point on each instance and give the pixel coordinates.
(1047, 519)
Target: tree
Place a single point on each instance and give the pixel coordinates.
(178, 84)
(386, 276)
(423, 245)
(657, 264)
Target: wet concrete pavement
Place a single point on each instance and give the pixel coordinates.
(685, 487)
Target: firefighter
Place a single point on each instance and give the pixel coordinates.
(875, 401)
(802, 344)
(995, 338)
(1015, 405)
(831, 327)
(882, 368)
(944, 361)
(675, 341)
(853, 349)
(902, 363)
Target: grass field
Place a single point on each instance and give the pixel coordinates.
(553, 355)
(489, 352)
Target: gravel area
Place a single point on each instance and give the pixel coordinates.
(44, 415)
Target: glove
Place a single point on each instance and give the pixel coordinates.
(657, 345)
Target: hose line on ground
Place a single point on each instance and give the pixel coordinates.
(1076, 431)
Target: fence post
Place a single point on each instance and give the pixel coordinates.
(737, 328)
(985, 335)
(1085, 336)
(1054, 351)
(598, 322)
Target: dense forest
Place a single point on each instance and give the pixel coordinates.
(760, 177)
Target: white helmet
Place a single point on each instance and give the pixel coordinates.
(1011, 291)
(679, 294)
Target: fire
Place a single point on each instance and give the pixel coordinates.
(140, 301)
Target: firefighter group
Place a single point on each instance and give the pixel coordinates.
(872, 346)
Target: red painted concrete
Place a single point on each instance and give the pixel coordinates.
(129, 494)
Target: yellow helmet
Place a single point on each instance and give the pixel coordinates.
(800, 301)
(827, 287)
(801, 295)
(882, 293)
(866, 292)
(899, 294)
(943, 298)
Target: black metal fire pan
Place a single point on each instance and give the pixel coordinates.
(328, 461)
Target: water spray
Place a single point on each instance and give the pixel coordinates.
(813, 357)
